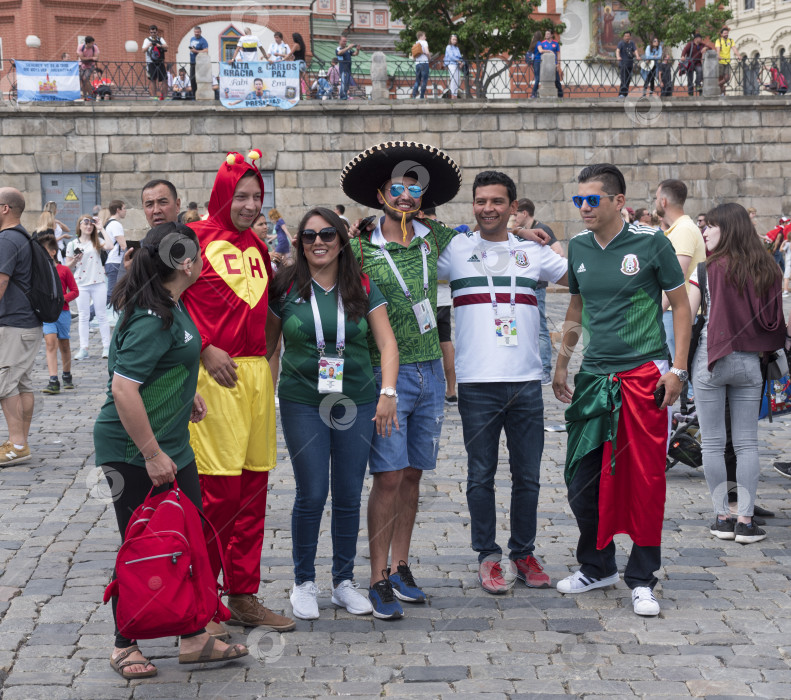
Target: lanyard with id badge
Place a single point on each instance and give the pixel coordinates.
(330, 367)
(504, 325)
(422, 310)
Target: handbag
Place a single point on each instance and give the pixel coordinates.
(700, 319)
(164, 581)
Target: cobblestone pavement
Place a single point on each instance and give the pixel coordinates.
(724, 630)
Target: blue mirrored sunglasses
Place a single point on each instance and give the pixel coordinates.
(398, 190)
(592, 200)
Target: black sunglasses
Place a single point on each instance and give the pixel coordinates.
(326, 234)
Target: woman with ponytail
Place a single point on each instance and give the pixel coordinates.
(744, 319)
(141, 435)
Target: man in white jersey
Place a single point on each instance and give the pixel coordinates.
(493, 276)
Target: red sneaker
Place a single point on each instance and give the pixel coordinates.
(531, 572)
(491, 578)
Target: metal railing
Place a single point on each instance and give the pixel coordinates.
(495, 79)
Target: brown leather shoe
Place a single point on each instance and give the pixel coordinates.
(216, 630)
(247, 610)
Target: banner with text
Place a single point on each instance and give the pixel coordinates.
(259, 84)
(47, 81)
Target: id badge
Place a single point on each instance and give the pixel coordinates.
(330, 375)
(505, 329)
(425, 316)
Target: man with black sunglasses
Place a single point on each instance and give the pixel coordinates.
(618, 419)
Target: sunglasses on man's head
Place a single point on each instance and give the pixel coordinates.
(593, 200)
(397, 190)
(326, 234)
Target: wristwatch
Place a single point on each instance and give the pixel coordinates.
(389, 392)
(682, 374)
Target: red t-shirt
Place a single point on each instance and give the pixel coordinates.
(70, 290)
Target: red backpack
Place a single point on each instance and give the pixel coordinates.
(164, 581)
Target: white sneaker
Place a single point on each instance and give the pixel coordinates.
(346, 595)
(579, 582)
(304, 601)
(105, 352)
(643, 601)
(82, 354)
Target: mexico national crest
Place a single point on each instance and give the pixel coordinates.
(630, 265)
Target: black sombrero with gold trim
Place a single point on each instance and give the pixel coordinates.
(435, 170)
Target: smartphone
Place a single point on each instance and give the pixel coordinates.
(366, 222)
(133, 244)
(77, 251)
(659, 396)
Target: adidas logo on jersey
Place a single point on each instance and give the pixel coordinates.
(581, 268)
(187, 337)
(474, 258)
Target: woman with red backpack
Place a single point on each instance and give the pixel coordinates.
(141, 435)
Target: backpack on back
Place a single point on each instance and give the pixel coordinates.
(417, 49)
(164, 580)
(46, 291)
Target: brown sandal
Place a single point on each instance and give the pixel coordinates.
(120, 663)
(208, 655)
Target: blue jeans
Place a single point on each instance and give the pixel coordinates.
(324, 456)
(544, 341)
(345, 76)
(421, 411)
(485, 410)
(670, 334)
(421, 79)
(111, 270)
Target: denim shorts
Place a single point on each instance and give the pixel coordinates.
(421, 410)
(62, 326)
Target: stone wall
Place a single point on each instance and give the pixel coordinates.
(724, 150)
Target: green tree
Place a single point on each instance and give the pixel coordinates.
(674, 22)
(486, 29)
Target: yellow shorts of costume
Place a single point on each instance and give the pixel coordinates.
(238, 431)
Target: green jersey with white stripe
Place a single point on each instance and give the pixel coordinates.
(621, 288)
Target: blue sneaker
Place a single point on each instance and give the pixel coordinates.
(384, 603)
(404, 585)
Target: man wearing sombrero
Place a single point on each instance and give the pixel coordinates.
(400, 255)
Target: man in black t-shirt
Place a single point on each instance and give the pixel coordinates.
(20, 328)
(626, 53)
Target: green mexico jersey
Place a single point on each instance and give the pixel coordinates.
(621, 288)
(412, 346)
(165, 365)
(299, 378)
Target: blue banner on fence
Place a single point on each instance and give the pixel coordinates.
(259, 84)
(47, 81)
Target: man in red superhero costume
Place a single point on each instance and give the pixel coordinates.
(236, 447)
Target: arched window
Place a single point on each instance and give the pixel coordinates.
(228, 41)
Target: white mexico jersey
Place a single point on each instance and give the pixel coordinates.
(469, 263)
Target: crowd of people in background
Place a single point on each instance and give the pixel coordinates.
(652, 68)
